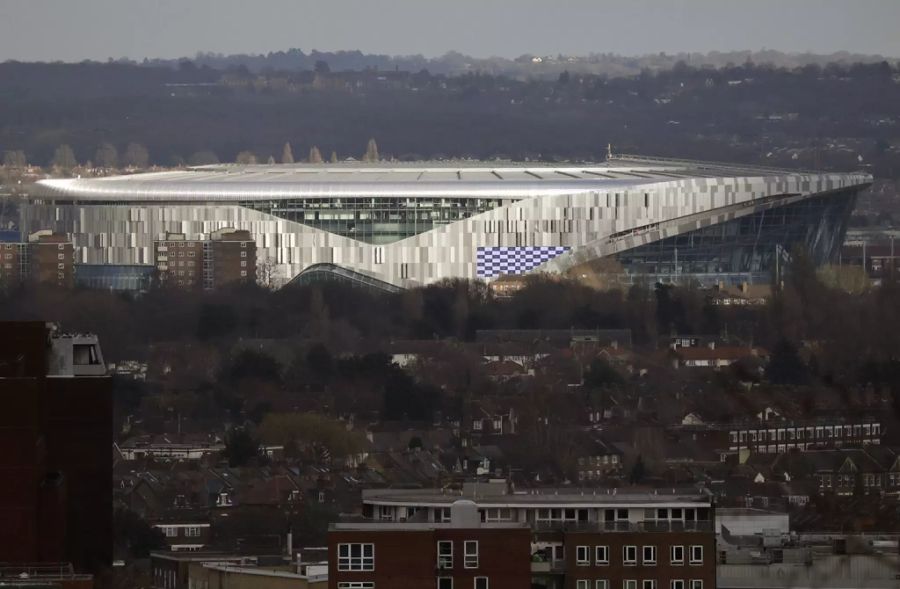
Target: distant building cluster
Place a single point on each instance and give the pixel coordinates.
(227, 257)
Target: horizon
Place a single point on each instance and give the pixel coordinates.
(398, 56)
(100, 30)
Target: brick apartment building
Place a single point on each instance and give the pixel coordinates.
(640, 558)
(46, 258)
(227, 257)
(599, 539)
(55, 439)
(463, 553)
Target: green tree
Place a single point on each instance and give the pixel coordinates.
(786, 366)
(107, 156)
(287, 154)
(251, 364)
(638, 471)
(601, 374)
(135, 535)
(240, 447)
(297, 430)
(64, 158)
(136, 156)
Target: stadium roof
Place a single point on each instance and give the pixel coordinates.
(234, 182)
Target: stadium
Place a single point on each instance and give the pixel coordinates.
(397, 225)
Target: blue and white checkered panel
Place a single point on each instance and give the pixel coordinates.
(494, 261)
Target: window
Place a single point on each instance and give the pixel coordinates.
(243, 263)
(582, 584)
(649, 555)
(629, 555)
(648, 584)
(498, 514)
(601, 584)
(243, 273)
(677, 554)
(356, 557)
(676, 584)
(356, 585)
(169, 531)
(697, 554)
(470, 554)
(481, 583)
(629, 584)
(582, 556)
(379, 255)
(445, 554)
(697, 584)
(243, 244)
(601, 555)
(61, 256)
(243, 254)
(192, 531)
(442, 515)
(85, 354)
(445, 583)
(60, 266)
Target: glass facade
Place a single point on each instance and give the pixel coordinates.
(377, 220)
(118, 277)
(748, 245)
(332, 273)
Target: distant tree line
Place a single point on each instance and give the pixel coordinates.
(832, 116)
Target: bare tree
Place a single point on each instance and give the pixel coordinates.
(64, 158)
(107, 156)
(334, 157)
(315, 157)
(15, 159)
(245, 157)
(136, 156)
(203, 158)
(265, 272)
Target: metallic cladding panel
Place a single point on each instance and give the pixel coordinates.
(588, 219)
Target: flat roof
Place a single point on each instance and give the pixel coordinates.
(543, 498)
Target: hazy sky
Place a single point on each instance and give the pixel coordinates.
(97, 29)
